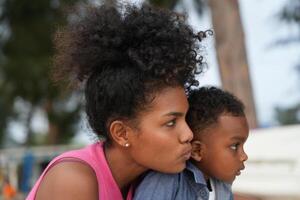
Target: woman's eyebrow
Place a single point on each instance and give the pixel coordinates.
(176, 114)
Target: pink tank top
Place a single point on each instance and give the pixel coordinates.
(92, 155)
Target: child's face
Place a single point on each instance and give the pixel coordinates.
(223, 154)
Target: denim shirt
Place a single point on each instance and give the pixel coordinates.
(187, 185)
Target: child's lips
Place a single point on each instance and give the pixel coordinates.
(242, 168)
(239, 171)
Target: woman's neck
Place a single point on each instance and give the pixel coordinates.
(123, 168)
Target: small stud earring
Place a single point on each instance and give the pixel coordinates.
(127, 144)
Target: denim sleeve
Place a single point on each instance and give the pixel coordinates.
(157, 186)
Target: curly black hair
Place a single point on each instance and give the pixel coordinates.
(207, 104)
(123, 56)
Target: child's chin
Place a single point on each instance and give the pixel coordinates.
(229, 180)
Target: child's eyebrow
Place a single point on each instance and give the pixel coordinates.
(237, 137)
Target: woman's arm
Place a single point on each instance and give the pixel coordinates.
(69, 180)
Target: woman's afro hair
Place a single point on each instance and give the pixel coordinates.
(151, 40)
(122, 55)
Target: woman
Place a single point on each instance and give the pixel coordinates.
(135, 65)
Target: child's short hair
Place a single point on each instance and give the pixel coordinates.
(207, 104)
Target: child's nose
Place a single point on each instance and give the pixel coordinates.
(244, 156)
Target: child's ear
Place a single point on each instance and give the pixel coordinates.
(197, 150)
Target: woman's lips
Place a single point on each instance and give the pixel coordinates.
(187, 154)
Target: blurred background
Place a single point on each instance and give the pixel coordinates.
(254, 53)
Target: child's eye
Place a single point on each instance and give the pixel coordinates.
(171, 123)
(234, 146)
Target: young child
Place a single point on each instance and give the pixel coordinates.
(220, 129)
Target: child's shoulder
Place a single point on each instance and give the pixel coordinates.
(154, 176)
(158, 186)
(163, 186)
(222, 188)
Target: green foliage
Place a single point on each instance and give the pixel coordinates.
(199, 4)
(25, 64)
(164, 3)
(288, 115)
(290, 14)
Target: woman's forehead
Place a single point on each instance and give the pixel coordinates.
(167, 101)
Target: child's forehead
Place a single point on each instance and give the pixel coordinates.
(227, 126)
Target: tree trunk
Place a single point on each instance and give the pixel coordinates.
(53, 129)
(231, 53)
(29, 133)
(53, 133)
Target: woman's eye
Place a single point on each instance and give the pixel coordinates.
(171, 123)
(234, 146)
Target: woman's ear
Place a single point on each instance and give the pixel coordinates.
(119, 132)
(197, 150)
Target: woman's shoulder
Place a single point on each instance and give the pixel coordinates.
(69, 180)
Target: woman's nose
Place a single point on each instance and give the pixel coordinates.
(186, 135)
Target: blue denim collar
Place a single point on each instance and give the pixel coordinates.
(197, 174)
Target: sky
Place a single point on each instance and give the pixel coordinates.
(272, 67)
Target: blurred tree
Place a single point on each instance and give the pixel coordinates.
(231, 54)
(26, 48)
(290, 14)
(6, 110)
(288, 115)
(230, 48)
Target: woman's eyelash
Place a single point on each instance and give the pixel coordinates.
(171, 123)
